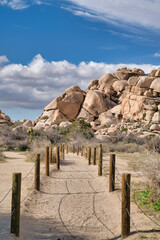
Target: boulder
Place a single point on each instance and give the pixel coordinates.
(132, 81)
(53, 105)
(106, 118)
(93, 85)
(117, 111)
(106, 82)
(107, 79)
(144, 82)
(4, 119)
(155, 85)
(113, 131)
(65, 124)
(96, 103)
(20, 128)
(85, 114)
(157, 73)
(28, 124)
(57, 115)
(155, 127)
(120, 85)
(156, 117)
(138, 71)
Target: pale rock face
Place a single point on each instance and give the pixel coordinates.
(153, 73)
(20, 128)
(106, 79)
(156, 117)
(53, 105)
(149, 115)
(65, 124)
(85, 114)
(138, 71)
(144, 81)
(155, 127)
(133, 109)
(105, 118)
(28, 123)
(157, 73)
(113, 131)
(120, 85)
(56, 116)
(117, 111)
(106, 83)
(4, 119)
(96, 103)
(155, 85)
(93, 85)
(132, 81)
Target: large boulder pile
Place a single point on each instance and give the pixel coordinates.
(4, 119)
(126, 95)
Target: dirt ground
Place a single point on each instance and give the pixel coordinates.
(73, 203)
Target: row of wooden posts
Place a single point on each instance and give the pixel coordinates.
(60, 150)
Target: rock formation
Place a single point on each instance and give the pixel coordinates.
(4, 119)
(124, 96)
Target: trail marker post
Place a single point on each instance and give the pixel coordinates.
(112, 173)
(16, 198)
(37, 173)
(125, 227)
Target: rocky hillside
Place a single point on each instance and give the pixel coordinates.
(124, 96)
(4, 119)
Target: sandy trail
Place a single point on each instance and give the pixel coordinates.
(74, 203)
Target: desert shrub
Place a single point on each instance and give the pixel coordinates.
(122, 147)
(151, 169)
(153, 144)
(80, 128)
(2, 157)
(37, 147)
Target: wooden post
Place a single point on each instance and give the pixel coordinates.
(37, 173)
(73, 149)
(94, 156)
(47, 161)
(77, 150)
(82, 151)
(89, 156)
(16, 198)
(125, 228)
(100, 161)
(86, 152)
(50, 155)
(66, 149)
(57, 158)
(63, 151)
(112, 173)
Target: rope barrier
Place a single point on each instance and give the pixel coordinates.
(13, 186)
(134, 224)
(144, 204)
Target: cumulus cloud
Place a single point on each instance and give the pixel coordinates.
(3, 59)
(157, 54)
(22, 4)
(15, 4)
(141, 13)
(34, 85)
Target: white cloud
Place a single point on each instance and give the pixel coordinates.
(140, 13)
(3, 59)
(36, 84)
(157, 54)
(22, 4)
(15, 4)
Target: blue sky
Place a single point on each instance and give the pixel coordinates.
(47, 46)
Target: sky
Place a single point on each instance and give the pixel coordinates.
(48, 46)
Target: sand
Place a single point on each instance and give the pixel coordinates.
(73, 203)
